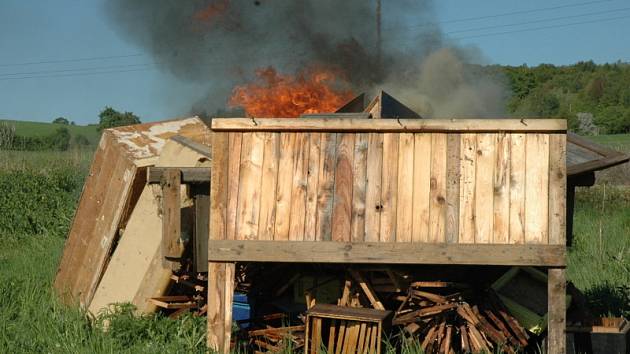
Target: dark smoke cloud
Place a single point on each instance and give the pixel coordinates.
(224, 50)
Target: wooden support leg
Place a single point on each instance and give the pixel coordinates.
(171, 217)
(557, 312)
(220, 297)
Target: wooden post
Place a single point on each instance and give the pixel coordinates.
(202, 213)
(171, 216)
(556, 293)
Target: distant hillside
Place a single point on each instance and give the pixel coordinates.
(40, 129)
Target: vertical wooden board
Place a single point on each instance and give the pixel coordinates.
(517, 188)
(557, 188)
(373, 187)
(233, 169)
(502, 189)
(389, 187)
(171, 216)
(484, 191)
(219, 308)
(271, 155)
(326, 186)
(359, 186)
(250, 176)
(557, 311)
(468, 166)
(284, 188)
(342, 204)
(537, 188)
(219, 187)
(421, 186)
(453, 150)
(404, 216)
(437, 201)
(202, 223)
(312, 181)
(298, 192)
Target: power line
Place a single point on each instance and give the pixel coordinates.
(76, 74)
(72, 60)
(77, 69)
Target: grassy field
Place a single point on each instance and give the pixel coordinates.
(38, 194)
(25, 128)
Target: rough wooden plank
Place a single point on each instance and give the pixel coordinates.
(385, 252)
(556, 302)
(359, 185)
(501, 202)
(453, 157)
(370, 294)
(389, 188)
(267, 218)
(421, 186)
(373, 187)
(557, 189)
(437, 202)
(404, 215)
(219, 187)
(517, 188)
(284, 186)
(326, 186)
(233, 167)
(250, 176)
(537, 188)
(468, 165)
(220, 293)
(389, 125)
(342, 205)
(298, 191)
(312, 186)
(172, 246)
(484, 179)
(202, 230)
(188, 174)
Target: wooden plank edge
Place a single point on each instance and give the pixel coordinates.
(188, 174)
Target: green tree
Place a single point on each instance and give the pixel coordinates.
(109, 118)
(60, 139)
(61, 120)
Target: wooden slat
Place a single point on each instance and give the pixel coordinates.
(202, 230)
(188, 174)
(171, 216)
(389, 125)
(271, 155)
(298, 191)
(285, 186)
(484, 178)
(453, 156)
(385, 252)
(421, 186)
(248, 204)
(389, 188)
(557, 189)
(373, 187)
(468, 166)
(312, 186)
(404, 215)
(233, 168)
(501, 201)
(437, 203)
(556, 302)
(326, 186)
(537, 188)
(517, 188)
(342, 204)
(359, 185)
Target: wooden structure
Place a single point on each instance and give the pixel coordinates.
(415, 191)
(342, 329)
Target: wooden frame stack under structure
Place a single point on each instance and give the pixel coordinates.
(396, 191)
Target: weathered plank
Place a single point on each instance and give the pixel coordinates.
(298, 191)
(312, 186)
(484, 178)
(248, 204)
(557, 189)
(373, 187)
(326, 187)
(271, 155)
(421, 186)
(556, 302)
(453, 156)
(537, 188)
(188, 174)
(235, 141)
(468, 166)
(171, 217)
(202, 230)
(385, 253)
(389, 187)
(518, 156)
(219, 187)
(404, 215)
(501, 232)
(359, 175)
(437, 202)
(342, 205)
(285, 186)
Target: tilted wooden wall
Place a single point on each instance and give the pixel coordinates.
(495, 181)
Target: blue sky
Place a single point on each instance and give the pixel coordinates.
(47, 31)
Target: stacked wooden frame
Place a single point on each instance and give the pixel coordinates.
(413, 191)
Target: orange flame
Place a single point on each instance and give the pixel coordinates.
(284, 96)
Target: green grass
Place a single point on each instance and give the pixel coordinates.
(619, 142)
(26, 128)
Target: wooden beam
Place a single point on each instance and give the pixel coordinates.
(557, 311)
(188, 174)
(385, 253)
(334, 124)
(171, 217)
(202, 230)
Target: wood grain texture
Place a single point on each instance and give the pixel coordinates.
(298, 191)
(404, 215)
(326, 187)
(537, 188)
(171, 216)
(501, 203)
(453, 157)
(518, 157)
(235, 141)
(437, 202)
(421, 186)
(284, 190)
(249, 194)
(557, 189)
(267, 219)
(342, 204)
(373, 187)
(389, 188)
(312, 186)
(557, 312)
(359, 187)
(484, 194)
(468, 166)
(219, 187)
